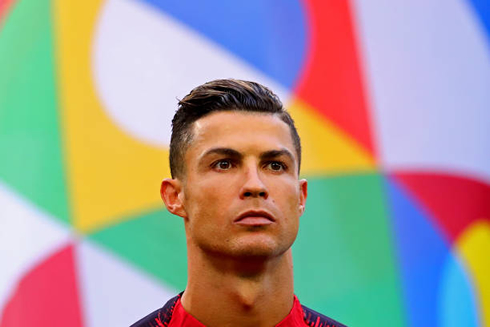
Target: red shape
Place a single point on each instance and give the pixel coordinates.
(454, 201)
(332, 80)
(5, 6)
(47, 295)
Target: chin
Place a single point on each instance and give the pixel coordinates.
(259, 248)
(248, 246)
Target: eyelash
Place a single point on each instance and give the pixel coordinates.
(215, 164)
(284, 167)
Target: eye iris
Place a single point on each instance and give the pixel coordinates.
(275, 166)
(224, 165)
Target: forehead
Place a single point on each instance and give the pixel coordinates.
(242, 131)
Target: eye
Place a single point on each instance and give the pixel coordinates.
(222, 164)
(276, 166)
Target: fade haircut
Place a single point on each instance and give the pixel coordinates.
(222, 95)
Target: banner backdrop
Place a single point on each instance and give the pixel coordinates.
(392, 102)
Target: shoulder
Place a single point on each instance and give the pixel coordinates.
(316, 319)
(160, 317)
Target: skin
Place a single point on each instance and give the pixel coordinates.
(240, 271)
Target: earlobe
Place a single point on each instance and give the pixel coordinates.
(303, 194)
(172, 195)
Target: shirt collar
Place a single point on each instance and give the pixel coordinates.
(180, 317)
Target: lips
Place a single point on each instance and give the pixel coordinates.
(255, 217)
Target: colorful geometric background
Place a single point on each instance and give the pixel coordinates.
(391, 99)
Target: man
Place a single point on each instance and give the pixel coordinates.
(235, 158)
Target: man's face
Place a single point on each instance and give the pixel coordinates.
(241, 192)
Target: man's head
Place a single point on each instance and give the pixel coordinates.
(235, 160)
(222, 95)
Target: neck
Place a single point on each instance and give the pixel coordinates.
(238, 291)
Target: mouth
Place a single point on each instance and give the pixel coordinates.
(255, 218)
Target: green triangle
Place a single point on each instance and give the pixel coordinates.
(344, 261)
(154, 242)
(29, 126)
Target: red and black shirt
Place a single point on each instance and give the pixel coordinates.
(173, 314)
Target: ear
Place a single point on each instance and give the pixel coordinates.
(172, 195)
(303, 194)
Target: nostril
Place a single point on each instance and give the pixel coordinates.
(248, 194)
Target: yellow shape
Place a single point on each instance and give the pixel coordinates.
(110, 175)
(474, 247)
(326, 148)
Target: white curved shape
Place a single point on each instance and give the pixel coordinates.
(428, 71)
(114, 292)
(28, 236)
(144, 59)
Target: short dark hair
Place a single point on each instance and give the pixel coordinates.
(222, 95)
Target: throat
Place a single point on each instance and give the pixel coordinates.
(250, 297)
(249, 294)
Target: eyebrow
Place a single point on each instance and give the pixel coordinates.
(276, 153)
(223, 151)
(268, 155)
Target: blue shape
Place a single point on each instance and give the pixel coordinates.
(268, 34)
(482, 9)
(422, 253)
(457, 305)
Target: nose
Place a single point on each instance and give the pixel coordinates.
(253, 186)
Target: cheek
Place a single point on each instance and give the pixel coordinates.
(207, 201)
(287, 195)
